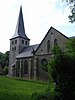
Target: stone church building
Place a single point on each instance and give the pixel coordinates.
(27, 60)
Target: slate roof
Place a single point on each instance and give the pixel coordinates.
(20, 30)
(28, 51)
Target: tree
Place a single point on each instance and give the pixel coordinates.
(72, 16)
(5, 70)
(71, 3)
(62, 69)
(6, 58)
(70, 46)
(2, 58)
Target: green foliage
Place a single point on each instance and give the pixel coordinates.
(71, 44)
(38, 96)
(5, 70)
(42, 96)
(56, 50)
(71, 4)
(72, 16)
(48, 94)
(65, 77)
(62, 70)
(4, 58)
(56, 63)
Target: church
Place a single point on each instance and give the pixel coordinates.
(29, 61)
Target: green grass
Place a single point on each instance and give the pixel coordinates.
(16, 89)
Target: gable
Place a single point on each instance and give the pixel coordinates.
(51, 36)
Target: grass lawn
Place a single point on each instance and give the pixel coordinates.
(16, 89)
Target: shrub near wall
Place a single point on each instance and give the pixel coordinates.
(41, 96)
(62, 69)
(5, 70)
(47, 95)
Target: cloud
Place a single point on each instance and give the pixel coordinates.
(39, 15)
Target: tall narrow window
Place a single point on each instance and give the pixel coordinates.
(25, 67)
(12, 42)
(15, 48)
(41, 51)
(44, 64)
(55, 42)
(48, 46)
(26, 42)
(15, 41)
(22, 41)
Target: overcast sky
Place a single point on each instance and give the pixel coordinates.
(39, 16)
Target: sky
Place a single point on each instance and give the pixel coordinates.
(39, 16)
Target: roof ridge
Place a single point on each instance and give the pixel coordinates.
(47, 34)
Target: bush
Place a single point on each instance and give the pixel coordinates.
(42, 96)
(5, 70)
(62, 70)
(39, 96)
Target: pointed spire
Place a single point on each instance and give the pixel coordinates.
(20, 30)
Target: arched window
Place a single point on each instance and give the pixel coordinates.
(44, 64)
(48, 46)
(55, 42)
(25, 67)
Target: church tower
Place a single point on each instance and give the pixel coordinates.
(18, 42)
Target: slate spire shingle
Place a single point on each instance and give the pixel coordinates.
(20, 30)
